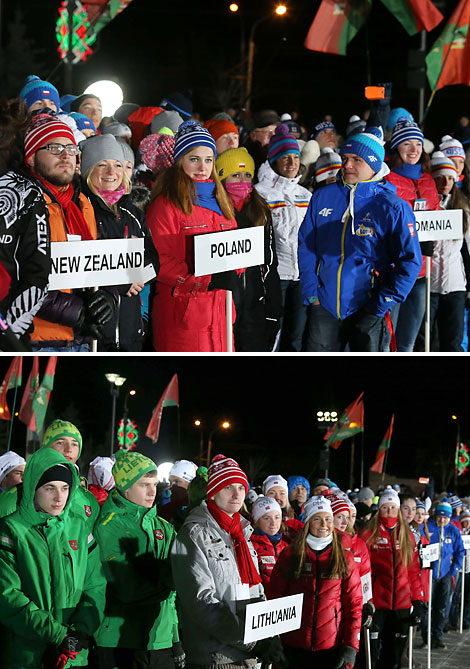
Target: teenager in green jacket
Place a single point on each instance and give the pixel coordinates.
(64, 438)
(51, 580)
(140, 627)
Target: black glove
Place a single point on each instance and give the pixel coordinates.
(427, 248)
(270, 651)
(346, 657)
(224, 281)
(368, 611)
(416, 614)
(99, 306)
(88, 328)
(179, 656)
(74, 642)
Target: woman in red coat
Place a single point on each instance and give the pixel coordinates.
(317, 566)
(267, 537)
(410, 173)
(188, 311)
(396, 583)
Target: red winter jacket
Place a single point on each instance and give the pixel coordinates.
(424, 571)
(292, 528)
(332, 608)
(394, 587)
(186, 316)
(267, 557)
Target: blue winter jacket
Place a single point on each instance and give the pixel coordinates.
(451, 551)
(358, 247)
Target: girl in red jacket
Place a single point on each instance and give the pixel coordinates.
(188, 199)
(318, 566)
(267, 538)
(410, 173)
(276, 486)
(396, 584)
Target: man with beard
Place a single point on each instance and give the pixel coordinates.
(66, 318)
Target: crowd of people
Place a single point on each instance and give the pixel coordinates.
(117, 570)
(343, 267)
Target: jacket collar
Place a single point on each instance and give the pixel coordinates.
(268, 176)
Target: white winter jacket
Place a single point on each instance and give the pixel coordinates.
(447, 268)
(288, 202)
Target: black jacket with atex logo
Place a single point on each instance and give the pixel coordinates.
(25, 249)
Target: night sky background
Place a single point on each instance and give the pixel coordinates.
(271, 403)
(156, 46)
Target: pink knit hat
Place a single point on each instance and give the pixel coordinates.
(42, 130)
(223, 472)
(156, 151)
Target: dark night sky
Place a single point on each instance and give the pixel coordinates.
(155, 46)
(272, 404)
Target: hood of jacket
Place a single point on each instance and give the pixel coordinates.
(269, 178)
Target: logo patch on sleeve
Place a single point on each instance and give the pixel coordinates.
(88, 510)
(158, 534)
(73, 544)
(412, 229)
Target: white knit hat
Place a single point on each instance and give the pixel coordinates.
(264, 505)
(442, 165)
(452, 147)
(316, 504)
(274, 480)
(8, 462)
(389, 496)
(327, 165)
(185, 469)
(310, 152)
(100, 472)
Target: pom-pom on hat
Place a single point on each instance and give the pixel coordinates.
(190, 134)
(130, 467)
(327, 165)
(83, 122)
(441, 165)
(219, 127)
(295, 480)
(316, 504)
(156, 151)
(234, 160)
(61, 428)
(389, 496)
(35, 89)
(274, 481)
(263, 505)
(355, 126)
(184, 469)
(100, 472)
(452, 147)
(338, 505)
(44, 130)
(8, 462)
(403, 131)
(367, 145)
(100, 147)
(223, 472)
(281, 144)
(443, 508)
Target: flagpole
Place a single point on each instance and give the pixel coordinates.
(351, 466)
(12, 418)
(362, 459)
(385, 463)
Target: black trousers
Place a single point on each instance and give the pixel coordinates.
(129, 658)
(298, 657)
(388, 636)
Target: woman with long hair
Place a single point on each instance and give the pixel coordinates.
(317, 566)
(396, 584)
(276, 486)
(267, 538)
(188, 312)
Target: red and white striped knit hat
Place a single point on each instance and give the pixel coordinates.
(42, 132)
(338, 505)
(223, 472)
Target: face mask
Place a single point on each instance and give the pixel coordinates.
(239, 191)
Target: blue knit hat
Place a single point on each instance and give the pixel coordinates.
(455, 501)
(443, 508)
(405, 130)
(83, 122)
(294, 481)
(66, 101)
(396, 115)
(367, 145)
(281, 144)
(35, 89)
(420, 504)
(190, 134)
(320, 127)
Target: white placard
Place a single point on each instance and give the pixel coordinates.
(466, 540)
(232, 249)
(434, 225)
(366, 587)
(431, 552)
(275, 616)
(102, 262)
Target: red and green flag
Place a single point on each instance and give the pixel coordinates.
(12, 380)
(170, 398)
(415, 15)
(448, 61)
(41, 398)
(349, 423)
(462, 459)
(26, 414)
(335, 24)
(378, 465)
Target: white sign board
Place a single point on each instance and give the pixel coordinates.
(366, 588)
(431, 552)
(103, 262)
(276, 616)
(466, 540)
(232, 249)
(435, 225)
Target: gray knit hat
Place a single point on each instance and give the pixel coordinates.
(100, 147)
(365, 493)
(166, 119)
(117, 129)
(127, 150)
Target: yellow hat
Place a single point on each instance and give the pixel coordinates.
(234, 160)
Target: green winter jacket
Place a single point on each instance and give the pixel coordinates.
(51, 578)
(140, 600)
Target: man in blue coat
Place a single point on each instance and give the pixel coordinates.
(358, 251)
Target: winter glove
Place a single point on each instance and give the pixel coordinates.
(88, 328)
(427, 248)
(71, 645)
(368, 611)
(270, 651)
(346, 658)
(63, 658)
(416, 614)
(179, 657)
(99, 306)
(224, 281)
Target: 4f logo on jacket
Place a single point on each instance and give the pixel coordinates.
(73, 544)
(325, 212)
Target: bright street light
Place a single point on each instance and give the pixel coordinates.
(197, 423)
(116, 382)
(233, 7)
(226, 425)
(281, 10)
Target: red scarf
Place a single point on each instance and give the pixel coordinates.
(74, 219)
(246, 568)
(388, 522)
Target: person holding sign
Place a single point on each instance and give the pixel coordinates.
(108, 187)
(396, 584)
(318, 566)
(215, 572)
(188, 311)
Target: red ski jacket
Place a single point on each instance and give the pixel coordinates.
(267, 557)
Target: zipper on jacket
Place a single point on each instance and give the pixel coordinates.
(393, 580)
(343, 234)
(336, 619)
(441, 531)
(315, 601)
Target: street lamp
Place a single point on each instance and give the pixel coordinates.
(125, 412)
(110, 94)
(324, 420)
(116, 382)
(223, 426)
(233, 7)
